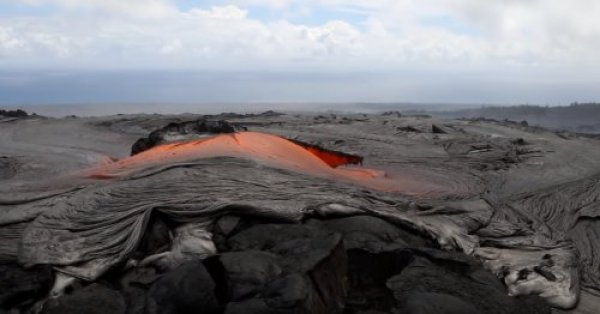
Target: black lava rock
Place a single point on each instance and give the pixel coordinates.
(370, 233)
(435, 303)
(284, 268)
(197, 127)
(92, 299)
(187, 289)
(19, 113)
(456, 283)
(19, 285)
(437, 129)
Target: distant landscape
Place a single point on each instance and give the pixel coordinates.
(576, 117)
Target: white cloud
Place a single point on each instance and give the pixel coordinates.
(278, 4)
(10, 43)
(138, 8)
(391, 35)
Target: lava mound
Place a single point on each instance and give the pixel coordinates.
(275, 152)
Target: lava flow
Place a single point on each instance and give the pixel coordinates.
(267, 149)
(332, 158)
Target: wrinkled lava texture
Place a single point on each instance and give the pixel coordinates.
(299, 214)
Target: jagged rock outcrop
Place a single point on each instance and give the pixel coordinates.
(455, 284)
(276, 267)
(180, 131)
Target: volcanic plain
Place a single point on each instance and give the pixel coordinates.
(296, 213)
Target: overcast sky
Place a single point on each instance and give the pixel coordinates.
(494, 51)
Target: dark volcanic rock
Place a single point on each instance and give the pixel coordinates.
(436, 129)
(156, 238)
(187, 289)
(459, 280)
(284, 268)
(248, 272)
(175, 130)
(435, 303)
(134, 285)
(370, 233)
(19, 113)
(227, 224)
(256, 306)
(270, 113)
(408, 129)
(267, 236)
(367, 276)
(20, 286)
(288, 292)
(93, 299)
(294, 268)
(428, 281)
(328, 278)
(356, 264)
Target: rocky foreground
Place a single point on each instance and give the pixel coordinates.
(443, 216)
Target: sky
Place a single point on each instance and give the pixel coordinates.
(493, 51)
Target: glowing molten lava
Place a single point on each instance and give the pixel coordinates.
(332, 158)
(267, 149)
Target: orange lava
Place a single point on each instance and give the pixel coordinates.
(332, 158)
(267, 149)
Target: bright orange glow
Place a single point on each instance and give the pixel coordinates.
(267, 149)
(334, 159)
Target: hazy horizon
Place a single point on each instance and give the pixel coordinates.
(33, 87)
(454, 51)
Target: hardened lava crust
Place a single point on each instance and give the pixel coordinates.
(296, 213)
